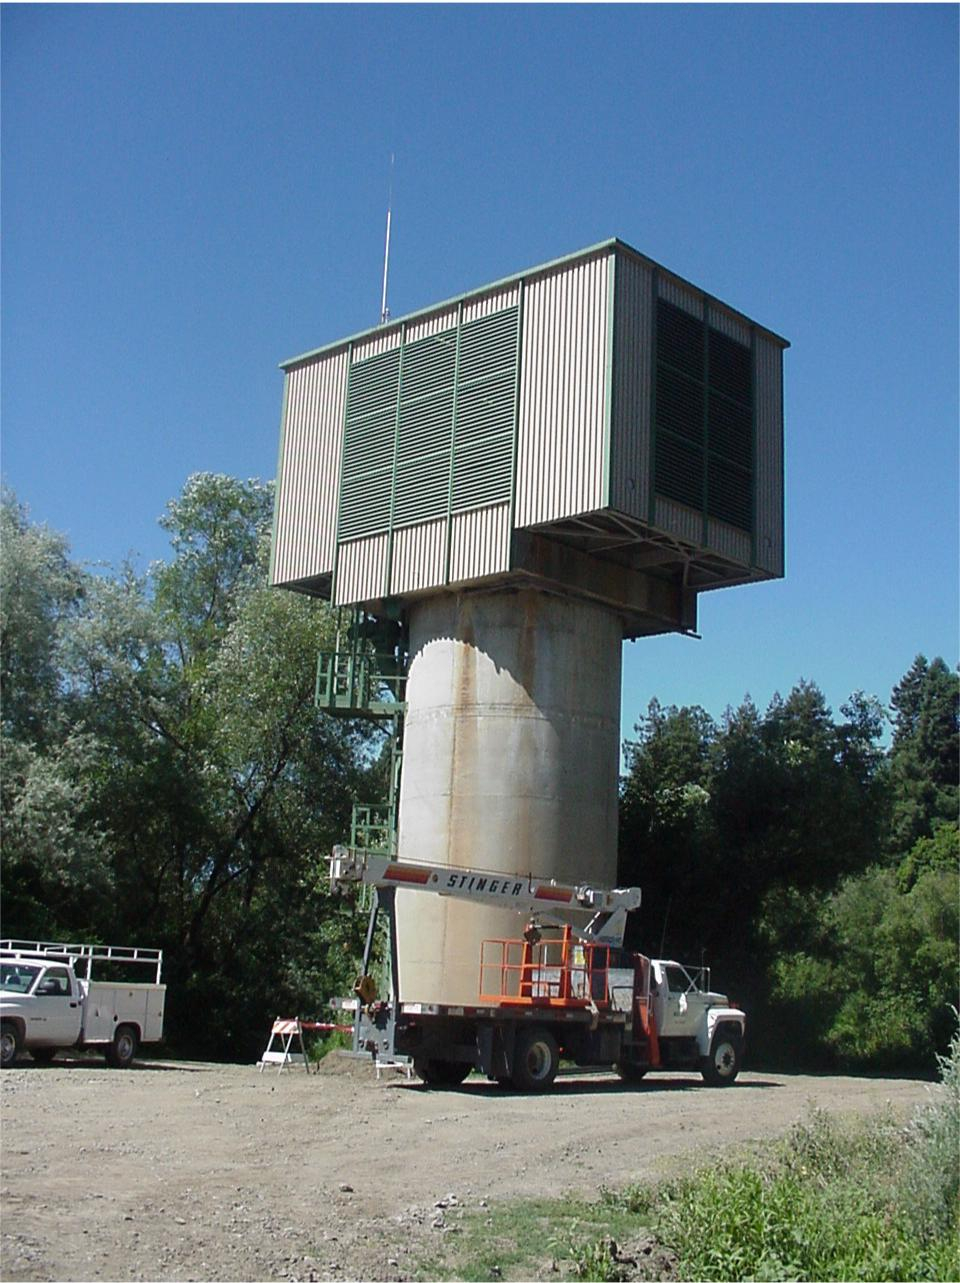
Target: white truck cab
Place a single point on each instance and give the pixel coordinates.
(687, 1011)
(49, 1001)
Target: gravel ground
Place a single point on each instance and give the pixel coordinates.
(218, 1172)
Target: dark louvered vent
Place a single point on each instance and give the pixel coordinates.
(432, 433)
(704, 417)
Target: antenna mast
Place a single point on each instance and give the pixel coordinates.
(384, 310)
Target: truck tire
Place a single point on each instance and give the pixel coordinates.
(43, 1055)
(536, 1059)
(631, 1073)
(442, 1073)
(122, 1050)
(9, 1044)
(721, 1067)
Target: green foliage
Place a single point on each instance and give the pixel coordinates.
(766, 842)
(863, 1201)
(928, 1188)
(184, 792)
(40, 591)
(874, 987)
(925, 755)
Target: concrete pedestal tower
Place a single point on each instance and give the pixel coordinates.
(511, 755)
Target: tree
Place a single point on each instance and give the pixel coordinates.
(40, 590)
(195, 791)
(925, 754)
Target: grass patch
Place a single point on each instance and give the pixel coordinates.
(529, 1240)
(839, 1200)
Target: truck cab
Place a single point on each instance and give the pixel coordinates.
(695, 1025)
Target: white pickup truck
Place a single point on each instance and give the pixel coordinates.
(49, 1000)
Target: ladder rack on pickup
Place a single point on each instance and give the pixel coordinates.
(88, 953)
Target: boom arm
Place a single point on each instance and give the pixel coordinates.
(540, 896)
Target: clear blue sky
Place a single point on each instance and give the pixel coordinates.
(191, 194)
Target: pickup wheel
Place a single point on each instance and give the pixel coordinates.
(721, 1067)
(122, 1050)
(9, 1044)
(442, 1073)
(43, 1055)
(536, 1059)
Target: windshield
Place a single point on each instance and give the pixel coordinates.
(17, 977)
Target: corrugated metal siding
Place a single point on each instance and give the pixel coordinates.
(491, 303)
(769, 457)
(309, 477)
(680, 297)
(729, 541)
(632, 373)
(428, 325)
(480, 543)
(677, 519)
(377, 343)
(563, 393)
(418, 557)
(730, 325)
(361, 570)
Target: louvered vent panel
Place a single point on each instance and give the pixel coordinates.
(730, 493)
(425, 426)
(730, 430)
(421, 489)
(487, 345)
(368, 442)
(369, 429)
(408, 409)
(679, 470)
(731, 367)
(704, 418)
(679, 339)
(482, 472)
(373, 384)
(429, 365)
(365, 504)
(485, 408)
(486, 411)
(680, 405)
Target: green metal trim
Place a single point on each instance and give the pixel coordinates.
(754, 446)
(705, 486)
(453, 447)
(343, 451)
(276, 493)
(515, 446)
(654, 431)
(388, 567)
(783, 484)
(608, 391)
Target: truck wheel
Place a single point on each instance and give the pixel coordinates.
(122, 1050)
(9, 1044)
(442, 1073)
(536, 1059)
(43, 1055)
(721, 1067)
(631, 1073)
